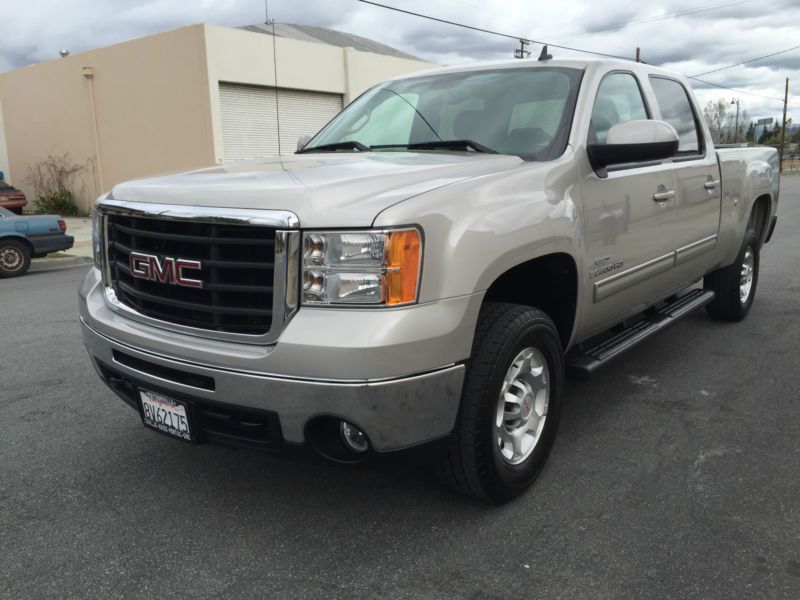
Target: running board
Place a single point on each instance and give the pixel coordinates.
(581, 366)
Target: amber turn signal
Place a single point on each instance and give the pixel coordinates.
(403, 253)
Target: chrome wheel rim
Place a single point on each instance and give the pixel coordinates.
(10, 259)
(746, 275)
(522, 406)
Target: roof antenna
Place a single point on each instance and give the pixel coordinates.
(544, 55)
(275, 69)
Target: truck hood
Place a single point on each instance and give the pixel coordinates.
(323, 190)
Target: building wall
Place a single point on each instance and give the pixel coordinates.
(301, 66)
(363, 71)
(151, 105)
(148, 98)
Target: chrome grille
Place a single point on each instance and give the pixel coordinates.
(238, 271)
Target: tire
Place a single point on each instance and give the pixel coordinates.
(728, 284)
(17, 210)
(475, 463)
(15, 258)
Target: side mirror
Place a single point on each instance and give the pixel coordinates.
(303, 140)
(632, 142)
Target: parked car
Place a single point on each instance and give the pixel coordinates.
(427, 271)
(10, 197)
(29, 236)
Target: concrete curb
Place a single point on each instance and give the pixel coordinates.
(61, 262)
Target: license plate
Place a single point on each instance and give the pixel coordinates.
(165, 414)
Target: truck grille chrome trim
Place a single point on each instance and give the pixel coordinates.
(206, 214)
(249, 269)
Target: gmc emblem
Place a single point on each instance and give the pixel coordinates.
(166, 270)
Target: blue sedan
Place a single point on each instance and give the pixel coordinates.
(29, 236)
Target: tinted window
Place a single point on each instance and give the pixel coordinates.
(522, 111)
(677, 111)
(619, 100)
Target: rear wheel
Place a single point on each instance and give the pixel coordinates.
(15, 258)
(510, 406)
(734, 286)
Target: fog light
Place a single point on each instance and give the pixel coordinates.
(353, 437)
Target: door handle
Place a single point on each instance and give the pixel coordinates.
(663, 196)
(711, 184)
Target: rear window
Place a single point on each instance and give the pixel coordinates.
(673, 101)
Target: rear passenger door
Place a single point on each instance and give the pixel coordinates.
(698, 192)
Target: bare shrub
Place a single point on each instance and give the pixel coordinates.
(53, 180)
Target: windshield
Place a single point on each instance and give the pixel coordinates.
(524, 111)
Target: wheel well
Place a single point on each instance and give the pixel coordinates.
(20, 239)
(549, 283)
(759, 217)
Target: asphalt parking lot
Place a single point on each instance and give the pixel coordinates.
(676, 474)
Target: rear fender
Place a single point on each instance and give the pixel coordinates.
(747, 175)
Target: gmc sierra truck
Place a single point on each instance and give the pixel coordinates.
(427, 271)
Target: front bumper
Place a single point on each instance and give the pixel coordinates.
(404, 403)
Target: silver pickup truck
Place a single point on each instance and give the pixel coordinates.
(427, 271)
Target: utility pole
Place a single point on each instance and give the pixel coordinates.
(638, 55)
(783, 129)
(521, 52)
(736, 126)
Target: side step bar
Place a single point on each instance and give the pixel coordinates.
(582, 365)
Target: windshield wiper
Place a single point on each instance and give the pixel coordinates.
(452, 145)
(347, 145)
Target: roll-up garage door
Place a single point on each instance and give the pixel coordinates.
(250, 118)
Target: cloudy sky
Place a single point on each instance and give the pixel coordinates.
(689, 36)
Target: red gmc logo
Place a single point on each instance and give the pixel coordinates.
(166, 270)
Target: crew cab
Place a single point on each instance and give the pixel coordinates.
(428, 270)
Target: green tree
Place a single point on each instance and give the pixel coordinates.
(721, 118)
(749, 135)
(716, 115)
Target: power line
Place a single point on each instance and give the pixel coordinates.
(664, 17)
(747, 61)
(489, 31)
(522, 38)
(724, 87)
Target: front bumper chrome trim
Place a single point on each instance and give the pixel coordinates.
(395, 413)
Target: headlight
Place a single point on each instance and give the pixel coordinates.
(97, 238)
(361, 267)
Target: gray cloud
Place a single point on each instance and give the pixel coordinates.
(35, 30)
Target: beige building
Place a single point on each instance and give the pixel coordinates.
(184, 99)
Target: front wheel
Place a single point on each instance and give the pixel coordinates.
(15, 258)
(510, 405)
(734, 286)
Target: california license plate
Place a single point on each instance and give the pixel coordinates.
(165, 414)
